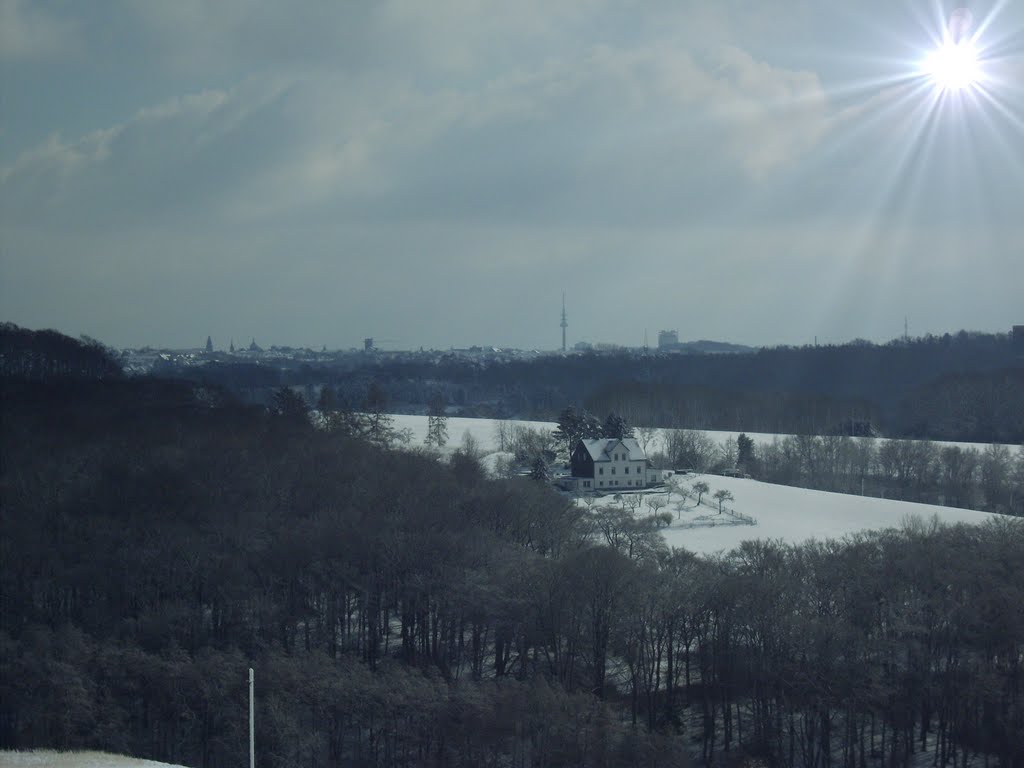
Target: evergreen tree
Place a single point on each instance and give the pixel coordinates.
(290, 405)
(209, 344)
(568, 428)
(616, 427)
(437, 422)
(378, 424)
(328, 400)
(539, 470)
(744, 452)
(574, 425)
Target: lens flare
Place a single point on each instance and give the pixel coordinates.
(953, 67)
(960, 22)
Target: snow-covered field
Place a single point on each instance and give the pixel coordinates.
(779, 512)
(483, 431)
(45, 758)
(795, 515)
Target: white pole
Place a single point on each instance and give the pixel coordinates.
(252, 732)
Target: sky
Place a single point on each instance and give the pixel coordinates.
(437, 173)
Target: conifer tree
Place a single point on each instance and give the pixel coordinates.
(437, 422)
(616, 427)
(539, 470)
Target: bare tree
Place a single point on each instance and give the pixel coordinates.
(690, 449)
(672, 485)
(656, 504)
(995, 476)
(728, 453)
(504, 467)
(644, 436)
(700, 488)
(631, 502)
(721, 497)
(470, 447)
(503, 432)
(1017, 486)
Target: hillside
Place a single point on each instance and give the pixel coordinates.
(156, 544)
(795, 515)
(939, 476)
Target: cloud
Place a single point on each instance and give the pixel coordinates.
(570, 137)
(178, 156)
(774, 115)
(27, 32)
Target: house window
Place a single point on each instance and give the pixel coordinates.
(601, 483)
(600, 470)
(613, 470)
(627, 470)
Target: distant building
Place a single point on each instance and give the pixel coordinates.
(668, 339)
(1018, 339)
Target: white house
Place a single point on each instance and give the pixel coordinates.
(610, 464)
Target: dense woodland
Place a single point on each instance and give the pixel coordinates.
(962, 387)
(965, 387)
(157, 539)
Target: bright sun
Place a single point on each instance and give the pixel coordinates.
(953, 67)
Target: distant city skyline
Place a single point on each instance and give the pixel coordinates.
(384, 345)
(437, 174)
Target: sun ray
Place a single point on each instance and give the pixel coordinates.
(982, 27)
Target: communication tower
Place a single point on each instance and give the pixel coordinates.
(565, 322)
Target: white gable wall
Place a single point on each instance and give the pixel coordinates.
(615, 471)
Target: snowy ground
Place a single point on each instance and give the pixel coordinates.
(483, 431)
(765, 511)
(45, 758)
(795, 515)
(778, 512)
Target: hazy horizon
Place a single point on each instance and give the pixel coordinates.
(437, 175)
(383, 345)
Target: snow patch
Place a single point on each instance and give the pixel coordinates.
(47, 758)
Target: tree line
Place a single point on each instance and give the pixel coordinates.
(39, 355)
(964, 386)
(989, 478)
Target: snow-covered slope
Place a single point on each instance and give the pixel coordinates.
(798, 514)
(483, 431)
(780, 512)
(45, 758)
